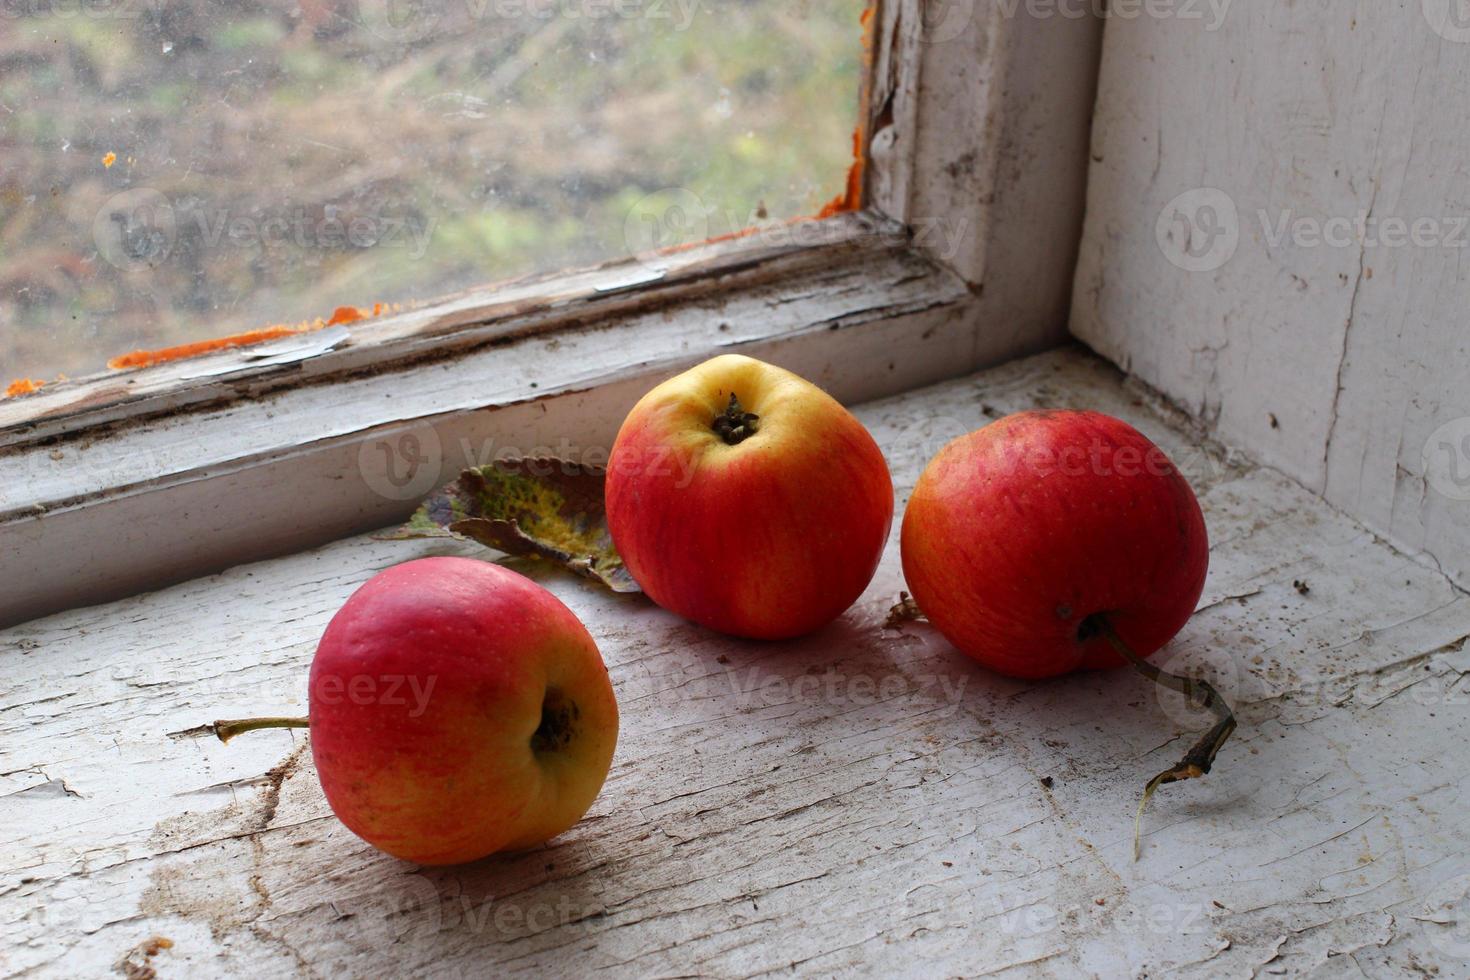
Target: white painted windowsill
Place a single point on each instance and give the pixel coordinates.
(757, 821)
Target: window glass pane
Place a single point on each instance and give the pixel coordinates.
(174, 171)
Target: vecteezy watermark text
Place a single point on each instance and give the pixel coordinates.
(402, 21)
(410, 464)
(1200, 230)
(1364, 230)
(140, 229)
(389, 690)
(1211, 13)
(757, 688)
(407, 21)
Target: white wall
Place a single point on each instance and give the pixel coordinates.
(1337, 361)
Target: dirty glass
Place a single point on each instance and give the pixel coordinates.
(174, 170)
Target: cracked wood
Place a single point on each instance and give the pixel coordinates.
(864, 801)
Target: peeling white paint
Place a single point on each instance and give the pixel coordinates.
(1328, 339)
(979, 827)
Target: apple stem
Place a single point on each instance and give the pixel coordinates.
(226, 730)
(1201, 756)
(735, 424)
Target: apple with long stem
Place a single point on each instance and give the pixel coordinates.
(1054, 541)
(456, 709)
(748, 500)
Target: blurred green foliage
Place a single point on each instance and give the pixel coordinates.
(277, 158)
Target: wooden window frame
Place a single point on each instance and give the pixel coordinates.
(975, 131)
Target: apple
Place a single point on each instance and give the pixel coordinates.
(1024, 539)
(748, 500)
(458, 709)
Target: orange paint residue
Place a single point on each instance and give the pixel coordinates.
(851, 198)
(146, 358)
(23, 386)
(349, 314)
(109, 160)
(727, 236)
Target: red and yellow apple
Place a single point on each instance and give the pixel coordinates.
(748, 500)
(1019, 535)
(458, 709)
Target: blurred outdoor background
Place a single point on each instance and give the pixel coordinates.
(173, 170)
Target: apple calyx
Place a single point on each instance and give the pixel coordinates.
(735, 424)
(1201, 756)
(226, 730)
(559, 716)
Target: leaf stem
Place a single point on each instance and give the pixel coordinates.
(1201, 756)
(226, 730)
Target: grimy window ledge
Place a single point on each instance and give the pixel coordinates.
(865, 799)
(127, 484)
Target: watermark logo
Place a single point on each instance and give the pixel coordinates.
(663, 219)
(410, 21)
(399, 21)
(944, 20)
(1092, 457)
(1364, 231)
(1022, 916)
(757, 688)
(74, 9)
(1211, 13)
(402, 466)
(412, 909)
(410, 691)
(941, 235)
(1446, 459)
(1215, 666)
(1199, 230)
(136, 230)
(140, 229)
(1450, 19)
(678, 14)
(921, 438)
(410, 464)
(417, 908)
